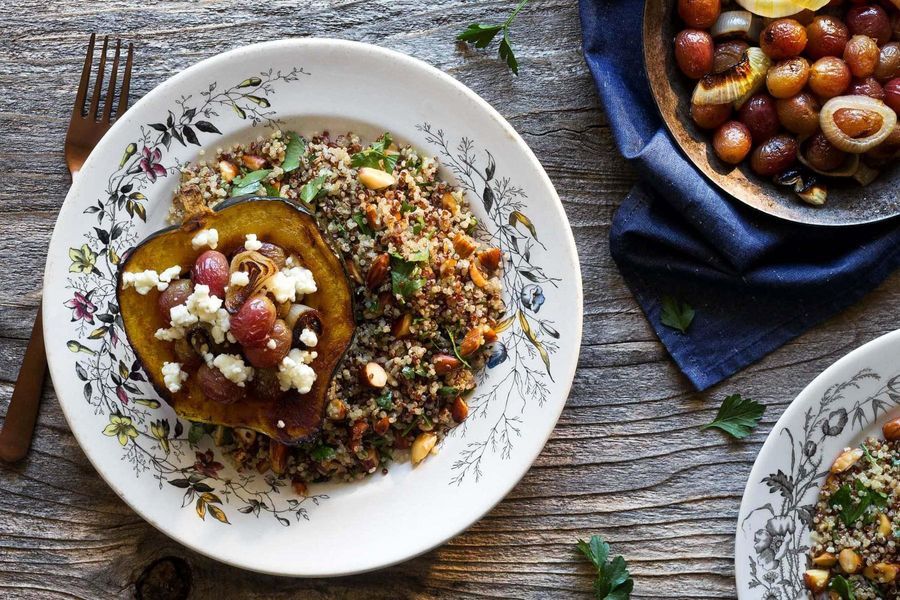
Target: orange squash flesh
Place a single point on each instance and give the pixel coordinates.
(284, 224)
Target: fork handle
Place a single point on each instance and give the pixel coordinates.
(18, 427)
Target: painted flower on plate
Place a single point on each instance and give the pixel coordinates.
(82, 307)
(149, 163)
(769, 542)
(120, 427)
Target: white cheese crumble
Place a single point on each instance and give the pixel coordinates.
(203, 305)
(239, 279)
(233, 368)
(291, 283)
(169, 335)
(169, 274)
(271, 344)
(207, 237)
(309, 337)
(143, 282)
(294, 372)
(280, 424)
(221, 326)
(173, 376)
(251, 242)
(181, 316)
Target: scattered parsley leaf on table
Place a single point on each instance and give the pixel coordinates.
(675, 314)
(613, 579)
(737, 416)
(481, 35)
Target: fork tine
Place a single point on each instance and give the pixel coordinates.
(126, 83)
(78, 109)
(98, 84)
(111, 89)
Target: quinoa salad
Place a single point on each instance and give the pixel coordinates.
(427, 296)
(856, 526)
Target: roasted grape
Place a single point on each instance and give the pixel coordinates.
(783, 38)
(861, 55)
(867, 87)
(211, 268)
(265, 385)
(186, 354)
(266, 357)
(892, 94)
(694, 52)
(710, 116)
(728, 54)
(759, 115)
(826, 36)
(732, 142)
(218, 388)
(888, 62)
(870, 20)
(821, 154)
(701, 14)
(829, 77)
(858, 123)
(774, 155)
(799, 114)
(177, 293)
(788, 77)
(253, 321)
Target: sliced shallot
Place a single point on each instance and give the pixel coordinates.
(739, 82)
(780, 8)
(844, 142)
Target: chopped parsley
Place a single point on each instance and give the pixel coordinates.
(406, 207)
(842, 587)
(419, 225)
(312, 189)
(405, 277)
(363, 225)
(386, 400)
(249, 183)
(296, 147)
(323, 453)
(448, 390)
(411, 372)
(852, 511)
(376, 156)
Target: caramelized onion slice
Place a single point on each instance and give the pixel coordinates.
(844, 142)
(258, 268)
(732, 23)
(740, 81)
(780, 8)
(851, 164)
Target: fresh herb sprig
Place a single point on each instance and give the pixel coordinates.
(481, 35)
(852, 511)
(737, 416)
(676, 314)
(613, 580)
(377, 155)
(841, 586)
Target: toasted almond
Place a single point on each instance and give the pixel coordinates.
(846, 459)
(850, 561)
(372, 216)
(464, 245)
(826, 559)
(373, 375)
(474, 339)
(381, 425)
(449, 203)
(278, 455)
(378, 271)
(299, 487)
(448, 267)
(400, 328)
(490, 259)
(253, 162)
(445, 363)
(459, 410)
(227, 170)
(881, 572)
(421, 446)
(375, 179)
(891, 430)
(476, 275)
(816, 579)
(353, 270)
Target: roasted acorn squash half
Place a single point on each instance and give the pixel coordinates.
(277, 221)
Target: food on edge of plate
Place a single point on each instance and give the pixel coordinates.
(807, 91)
(419, 304)
(856, 523)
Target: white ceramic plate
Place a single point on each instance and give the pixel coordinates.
(843, 406)
(137, 444)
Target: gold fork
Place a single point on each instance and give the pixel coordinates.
(85, 130)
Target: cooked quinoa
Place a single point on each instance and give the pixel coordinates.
(440, 299)
(857, 520)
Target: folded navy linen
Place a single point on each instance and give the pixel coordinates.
(754, 281)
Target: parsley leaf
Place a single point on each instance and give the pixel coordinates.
(386, 400)
(842, 587)
(376, 156)
(251, 177)
(363, 225)
(481, 35)
(852, 511)
(737, 416)
(405, 280)
(675, 314)
(312, 189)
(613, 580)
(323, 453)
(295, 148)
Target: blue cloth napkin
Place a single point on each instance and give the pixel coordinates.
(755, 281)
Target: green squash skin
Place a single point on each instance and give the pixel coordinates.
(302, 417)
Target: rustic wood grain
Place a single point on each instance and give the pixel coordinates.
(626, 459)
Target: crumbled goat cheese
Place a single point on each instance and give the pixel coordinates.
(207, 237)
(271, 344)
(221, 326)
(181, 316)
(309, 337)
(280, 424)
(169, 335)
(239, 279)
(233, 368)
(169, 274)
(143, 282)
(203, 305)
(251, 242)
(293, 372)
(173, 376)
(291, 284)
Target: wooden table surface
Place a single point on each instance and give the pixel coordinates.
(627, 459)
